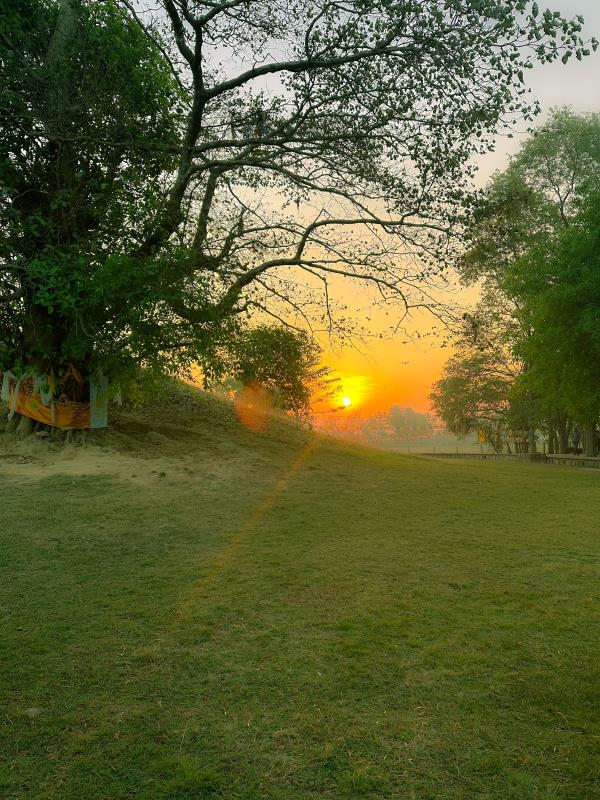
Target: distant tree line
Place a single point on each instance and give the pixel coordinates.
(384, 428)
(527, 358)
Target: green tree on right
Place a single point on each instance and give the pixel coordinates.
(533, 248)
(558, 282)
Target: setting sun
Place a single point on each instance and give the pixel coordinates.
(352, 392)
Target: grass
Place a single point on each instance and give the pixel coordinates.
(441, 443)
(270, 618)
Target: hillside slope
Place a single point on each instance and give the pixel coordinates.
(194, 610)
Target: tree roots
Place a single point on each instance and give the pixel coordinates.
(23, 427)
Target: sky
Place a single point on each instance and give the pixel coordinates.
(394, 371)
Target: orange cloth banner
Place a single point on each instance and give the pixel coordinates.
(66, 415)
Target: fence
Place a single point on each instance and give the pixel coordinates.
(539, 458)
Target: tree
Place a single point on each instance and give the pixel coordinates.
(522, 215)
(82, 164)
(284, 363)
(559, 287)
(475, 392)
(409, 424)
(377, 428)
(535, 197)
(165, 175)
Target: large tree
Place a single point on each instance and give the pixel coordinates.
(166, 173)
(408, 423)
(88, 108)
(535, 198)
(517, 226)
(558, 283)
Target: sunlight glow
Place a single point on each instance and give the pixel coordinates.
(351, 394)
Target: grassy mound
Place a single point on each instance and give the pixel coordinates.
(281, 617)
(178, 419)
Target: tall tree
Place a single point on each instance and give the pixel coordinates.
(408, 423)
(166, 173)
(558, 283)
(534, 197)
(523, 212)
(88, 104)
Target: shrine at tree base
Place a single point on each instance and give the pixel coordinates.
(57, 413)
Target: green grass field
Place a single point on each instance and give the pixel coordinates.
(210, 613)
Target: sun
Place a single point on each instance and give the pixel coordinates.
(346, 401)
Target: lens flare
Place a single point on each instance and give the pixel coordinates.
(252, 407)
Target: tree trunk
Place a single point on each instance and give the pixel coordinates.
(20, 425)
(589, 437)
(11, 425)
(532, 441)
(563, 435)
(24, 427)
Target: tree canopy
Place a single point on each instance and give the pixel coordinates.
(284, 363)
(534, 247)
(474, 392)
(408, 423)
(559, 287)
(169, 170)
(535, 197)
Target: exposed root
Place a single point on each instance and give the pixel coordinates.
(11, 425)
(24, 427)
(57, 435)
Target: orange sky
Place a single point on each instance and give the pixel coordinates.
(393, 370)
(392, 374)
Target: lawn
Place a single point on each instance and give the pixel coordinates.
(271, 617)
